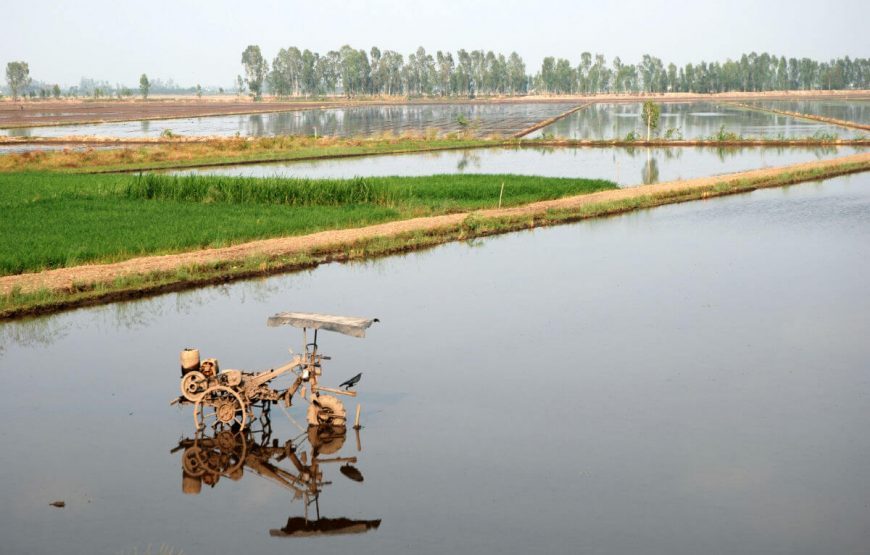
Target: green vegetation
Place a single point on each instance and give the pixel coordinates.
(17, 77)
(20, 303)
(484, 72)
(55, 220)
(723, 136)
(650, 116)
(255, 70)
(144, 86)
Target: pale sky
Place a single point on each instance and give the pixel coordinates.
(201, 42)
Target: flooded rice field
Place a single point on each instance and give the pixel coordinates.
(857, 111)
(481, 119)
(688, 379)
(696, 120)
(30, 147)
(625, 166)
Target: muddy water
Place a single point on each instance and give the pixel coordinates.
(624, 166)
(481, 119)
(690, 379)
(696, 120)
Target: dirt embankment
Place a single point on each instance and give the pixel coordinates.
(813, 117)
(70, 112)
(65, 278)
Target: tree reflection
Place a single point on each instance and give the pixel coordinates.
(650, 172)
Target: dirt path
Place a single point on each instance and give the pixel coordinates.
(549, 121)
(64, 278)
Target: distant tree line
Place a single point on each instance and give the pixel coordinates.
(352, 72)
(752, 72)
(357, 72)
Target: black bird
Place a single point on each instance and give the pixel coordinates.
(351, 382)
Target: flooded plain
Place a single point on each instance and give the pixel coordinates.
(688, 379)
(480, 119)
(857, 111)
(625, 166)
(695, 120)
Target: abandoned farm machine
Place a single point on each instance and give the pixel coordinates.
(225, 399)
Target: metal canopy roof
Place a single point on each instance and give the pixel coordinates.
(348, 325)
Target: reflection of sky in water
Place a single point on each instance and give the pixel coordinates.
(857, 111)
(687, 120)
(482, 119)
(622, 165)
(699, 367)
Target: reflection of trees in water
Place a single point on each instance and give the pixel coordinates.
(650, 172)
(20, 132)
(468, 158)
(145, 125)
(732, 152)
(853, 110)
(694, 120)
(370, 120)
(255, 125)
(41, 332)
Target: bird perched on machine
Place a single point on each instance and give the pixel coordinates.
(351, 382)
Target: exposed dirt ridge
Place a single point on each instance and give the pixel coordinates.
(813, 117)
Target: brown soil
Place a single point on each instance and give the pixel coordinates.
(548, 121)
(65, 278)
(68, 112)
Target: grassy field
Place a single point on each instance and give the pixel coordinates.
(52, 220)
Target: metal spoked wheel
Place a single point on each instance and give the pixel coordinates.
(193, 385)
(219, 408)
(224, 454)
(191, 461)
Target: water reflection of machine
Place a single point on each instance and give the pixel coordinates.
(212, 455)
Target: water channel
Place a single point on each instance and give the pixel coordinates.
(625, 166)
(688, 379)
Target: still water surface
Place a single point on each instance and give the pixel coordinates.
(481, 119)
(625, 166)
(690, 379)
(695, 120)
(857, 111)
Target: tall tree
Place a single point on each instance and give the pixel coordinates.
(17, 77)
(256, 69)
(650, 116)
(516, 74)
(144, 86)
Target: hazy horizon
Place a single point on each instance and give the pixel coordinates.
(194, 43)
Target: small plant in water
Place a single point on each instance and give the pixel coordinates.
(167, 134)
(674, 133)
(632, 136)
(724, 136)
(827, 137)
(462, 120)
